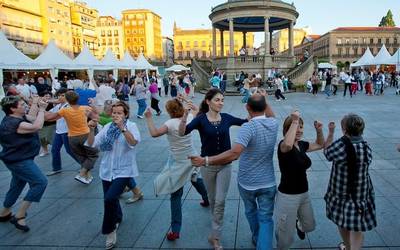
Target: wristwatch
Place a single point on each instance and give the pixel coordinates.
(123, 130)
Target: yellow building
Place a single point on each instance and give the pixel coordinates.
(21, 22)
(56, 24)
(83, 25)
(280, 39)
(142, 33)
(110, 35)
(197, 43)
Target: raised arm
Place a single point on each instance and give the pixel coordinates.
(28, 128)
(221, 159)
(319, 141)
(268, 110)
(154, 132)
(290, 135)
(329, 139)
(182, 124)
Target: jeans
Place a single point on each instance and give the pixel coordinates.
(166, 90)
(58, 141)
(246, 95)
(347, 86)
(112, 209)
(132, 183)
(176, 204)
(141, 106)
(328, 91)
(259, 208)
(25, 172)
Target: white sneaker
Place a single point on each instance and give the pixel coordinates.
(83, 179)
(43, 154)
(135, 198)
(111, 239)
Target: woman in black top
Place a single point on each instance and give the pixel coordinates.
(293, 205)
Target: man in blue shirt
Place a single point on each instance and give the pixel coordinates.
(256, 179)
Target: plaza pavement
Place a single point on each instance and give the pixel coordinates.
(70, 214)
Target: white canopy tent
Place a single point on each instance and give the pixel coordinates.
(128, 63)
(53, 58)
(395, 60)
(86, 60)
(326, 66)
(143, 64)
(109, 62)
(177, 68)
(366, 60)
(383, 57)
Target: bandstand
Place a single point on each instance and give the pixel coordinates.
(252, 16)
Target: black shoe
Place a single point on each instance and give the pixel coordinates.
(205, 203)
(6, 218)
(14, 220)
(301, 234)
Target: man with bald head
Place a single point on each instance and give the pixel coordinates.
(256, 179)
(42, 87)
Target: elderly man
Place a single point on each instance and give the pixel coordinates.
(42, 87)
(256, 179)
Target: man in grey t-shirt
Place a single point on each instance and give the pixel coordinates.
(256, 179)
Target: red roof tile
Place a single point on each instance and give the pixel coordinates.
(367, 29)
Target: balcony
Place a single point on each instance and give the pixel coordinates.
(254, 63)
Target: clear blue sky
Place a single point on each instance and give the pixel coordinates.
(320, 15)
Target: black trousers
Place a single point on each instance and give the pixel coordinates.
(166, 90)
(334, 89)
(278, 94)
(154, 104)
(315, 89)
(347, 85)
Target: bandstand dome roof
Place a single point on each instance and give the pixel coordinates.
(249, 15)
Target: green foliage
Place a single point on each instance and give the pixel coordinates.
(387, 21)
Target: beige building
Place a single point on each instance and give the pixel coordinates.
(83, 25)
(21, 22)
(280, 39)
(197, 43)
(347, 44)
(110, 35)
(56, 24)
(306, 44)
(142, 33)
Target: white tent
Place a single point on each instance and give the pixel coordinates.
(86, 60)
(177, 68)
(53, 58)
(383, 57)
(142, 63)
(128, 63)
(366, 60)
(326, 66)
(395, 60)
(109, 62)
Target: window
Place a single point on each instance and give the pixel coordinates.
(187, 43)
(347, 51)
(204, 54)
(355, 51)
(371, 41)
(115, 32)
(379, 41)
(339, 41)
(196, 54)
(128, 40)
(128, 32)
(203, 44)
(180, 54)
(140, 22)
(340, 51)
(110, 41)
(363, 50)
(103, 33)
(387, 40)
(116, 41)
(355, 41)
(180, 45)
(187, 54)
(347, 41)
(195, 44)
(109, 33)
(395, 40)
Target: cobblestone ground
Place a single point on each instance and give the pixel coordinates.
(70, 214)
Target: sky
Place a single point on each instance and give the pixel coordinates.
(320, 15)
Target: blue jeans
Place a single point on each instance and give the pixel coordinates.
(25, 172)
(58, 141)
(246, 95)
(176, 204)
(132, 183)
(259, 208)
(141, 106)
(112, 209)
(327, 90)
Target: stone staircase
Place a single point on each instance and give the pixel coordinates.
(301, 73)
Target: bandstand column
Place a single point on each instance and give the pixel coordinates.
(267, 36)
(214, 42)
(231, 38)
(222, 42)
(244, 39)
(291, 37)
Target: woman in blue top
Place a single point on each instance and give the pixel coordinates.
(213, 127)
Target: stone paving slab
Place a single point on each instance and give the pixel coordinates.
(70, 214)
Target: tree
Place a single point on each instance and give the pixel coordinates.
(387, 21)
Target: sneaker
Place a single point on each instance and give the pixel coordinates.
(111, 239)
(43, 154)
(135, 198)
(140, 116)
(84, 180)
(171, 236)
(205, 203)
(53, 172)
(301, 234)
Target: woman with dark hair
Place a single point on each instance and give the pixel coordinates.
(20, 145)
(293, 209)
(213, 127)
(118, 141)
(350, 198)
(178, 169)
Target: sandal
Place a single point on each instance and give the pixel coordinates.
(6, 217)
(342, 246)
(14, 220)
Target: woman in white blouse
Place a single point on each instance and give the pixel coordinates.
(117, 140)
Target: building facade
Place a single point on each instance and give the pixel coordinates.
(168, 50)
(306, 44)
(280, 39)
(346, 45)
(110, 35)
(83, 25)
(56, 24)
(21, 22)
(142, 33)
(197, 43)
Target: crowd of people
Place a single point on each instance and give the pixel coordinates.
(367, 81)
(89, 121)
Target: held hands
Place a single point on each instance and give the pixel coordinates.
(331, 127)
(318, 125)
(262, 92)
(92, 124)
(42, 105)
(148, 113)
(197, 161)
(295, 115)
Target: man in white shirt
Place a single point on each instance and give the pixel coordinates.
(23, 89)
(105, 93)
